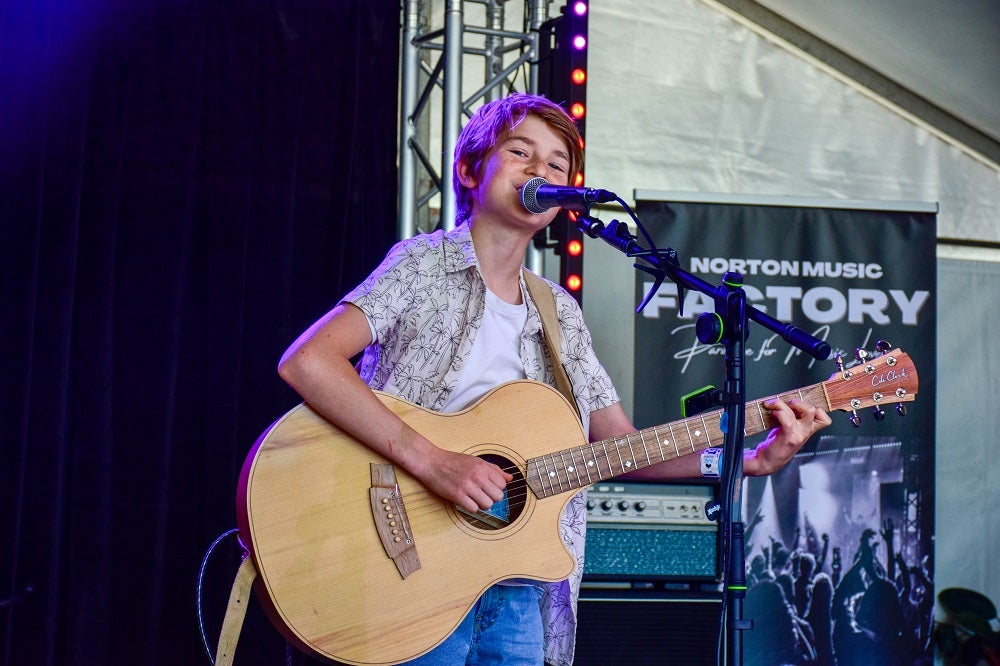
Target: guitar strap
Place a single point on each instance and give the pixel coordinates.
(235, 612)
(544, 300)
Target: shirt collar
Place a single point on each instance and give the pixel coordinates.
(459, 253)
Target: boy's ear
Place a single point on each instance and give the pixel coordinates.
(466, 175)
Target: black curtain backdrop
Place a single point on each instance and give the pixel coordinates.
(184, 186)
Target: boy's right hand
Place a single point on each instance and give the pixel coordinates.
(468, 481)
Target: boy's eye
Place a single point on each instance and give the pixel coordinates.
(557, 167)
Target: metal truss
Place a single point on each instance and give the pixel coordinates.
(431, 82)
(911, 539)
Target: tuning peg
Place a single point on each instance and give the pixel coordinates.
(855, 419)
(878, 413)
(881, 346)
(860, 354)
(901, 408)
(839, 360)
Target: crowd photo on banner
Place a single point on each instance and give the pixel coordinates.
(839, 544)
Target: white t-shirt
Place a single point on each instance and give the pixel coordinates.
(495, 357)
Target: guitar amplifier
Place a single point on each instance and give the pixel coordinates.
(641, 531)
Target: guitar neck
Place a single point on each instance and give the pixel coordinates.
(581, 466)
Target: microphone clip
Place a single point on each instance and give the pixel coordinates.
(588, 225)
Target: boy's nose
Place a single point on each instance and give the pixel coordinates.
(538, 167)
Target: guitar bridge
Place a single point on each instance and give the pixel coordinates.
(391, 523)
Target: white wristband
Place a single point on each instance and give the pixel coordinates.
(711, 463)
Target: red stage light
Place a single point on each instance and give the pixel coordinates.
(573, 282)
(575, 248)
(579, 76)
(577, 110)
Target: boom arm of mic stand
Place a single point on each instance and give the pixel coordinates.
(663, 264)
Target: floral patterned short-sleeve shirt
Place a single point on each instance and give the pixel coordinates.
(425, 303)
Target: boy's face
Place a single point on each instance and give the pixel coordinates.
(529, 150)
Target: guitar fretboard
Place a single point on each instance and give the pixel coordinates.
(581, 466)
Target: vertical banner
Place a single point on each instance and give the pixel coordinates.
(839, 545)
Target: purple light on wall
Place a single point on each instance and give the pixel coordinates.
(579, 8)
(579, 42)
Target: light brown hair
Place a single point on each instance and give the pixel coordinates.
(490, 126)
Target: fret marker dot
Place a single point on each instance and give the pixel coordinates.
(590, 463)
(697, 433)
(570, 468)
(628, 463)
(552, 474)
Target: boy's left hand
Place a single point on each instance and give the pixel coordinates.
(798, 421)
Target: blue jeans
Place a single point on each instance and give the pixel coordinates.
(504, 627)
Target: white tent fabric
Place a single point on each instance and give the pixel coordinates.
(685, 96)
(968, 476)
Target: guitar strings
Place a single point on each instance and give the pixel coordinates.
(561, 475)
(570, 479)
(425, 502)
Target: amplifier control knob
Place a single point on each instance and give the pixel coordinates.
(623, 505)
(606, 505)
(640, 506)
(591, 504)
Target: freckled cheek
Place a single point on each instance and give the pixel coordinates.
(512, 163)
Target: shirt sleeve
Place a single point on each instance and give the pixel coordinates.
(390, 290)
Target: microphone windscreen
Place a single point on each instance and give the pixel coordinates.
(529, 195)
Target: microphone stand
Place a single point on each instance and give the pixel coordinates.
(727, 325)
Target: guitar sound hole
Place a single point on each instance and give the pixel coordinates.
(506, 511)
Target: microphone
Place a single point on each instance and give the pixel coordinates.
(538, 195)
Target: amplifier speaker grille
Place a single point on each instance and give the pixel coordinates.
(649, 631)
(660, 552)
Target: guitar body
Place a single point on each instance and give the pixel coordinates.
(325, 579)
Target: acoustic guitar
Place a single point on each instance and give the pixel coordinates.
(360, 563)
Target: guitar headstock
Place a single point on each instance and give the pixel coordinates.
(884, 378)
